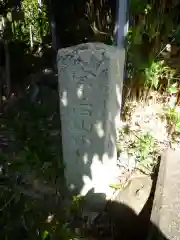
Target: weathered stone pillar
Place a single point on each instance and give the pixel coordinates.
(90, 87)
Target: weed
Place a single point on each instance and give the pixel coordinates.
(157, 72)
(172, 89)
(141, 146)
(144, 147)
(173, 117)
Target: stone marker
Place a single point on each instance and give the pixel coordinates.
(136, 194)
(165, 215)
(90, 87)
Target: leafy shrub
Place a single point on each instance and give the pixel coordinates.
(157, 72)
(173, 117)
(35, 20)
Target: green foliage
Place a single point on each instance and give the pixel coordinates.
(156, 72)
(178, 125)
(27, 23)
(144, 145)
(137, 6)
(77, 202)
(173, 117)
(173, 88)
(153, 74)
(35, 20)
(148, 35)
(141, 146)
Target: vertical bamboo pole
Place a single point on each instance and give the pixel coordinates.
(122, 23)
(121, 30)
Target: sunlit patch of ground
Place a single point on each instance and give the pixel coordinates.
(144, 134)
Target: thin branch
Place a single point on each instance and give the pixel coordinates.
(164, 48)
(7, 203)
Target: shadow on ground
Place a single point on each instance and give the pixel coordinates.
(119, 221)
(127, 225)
